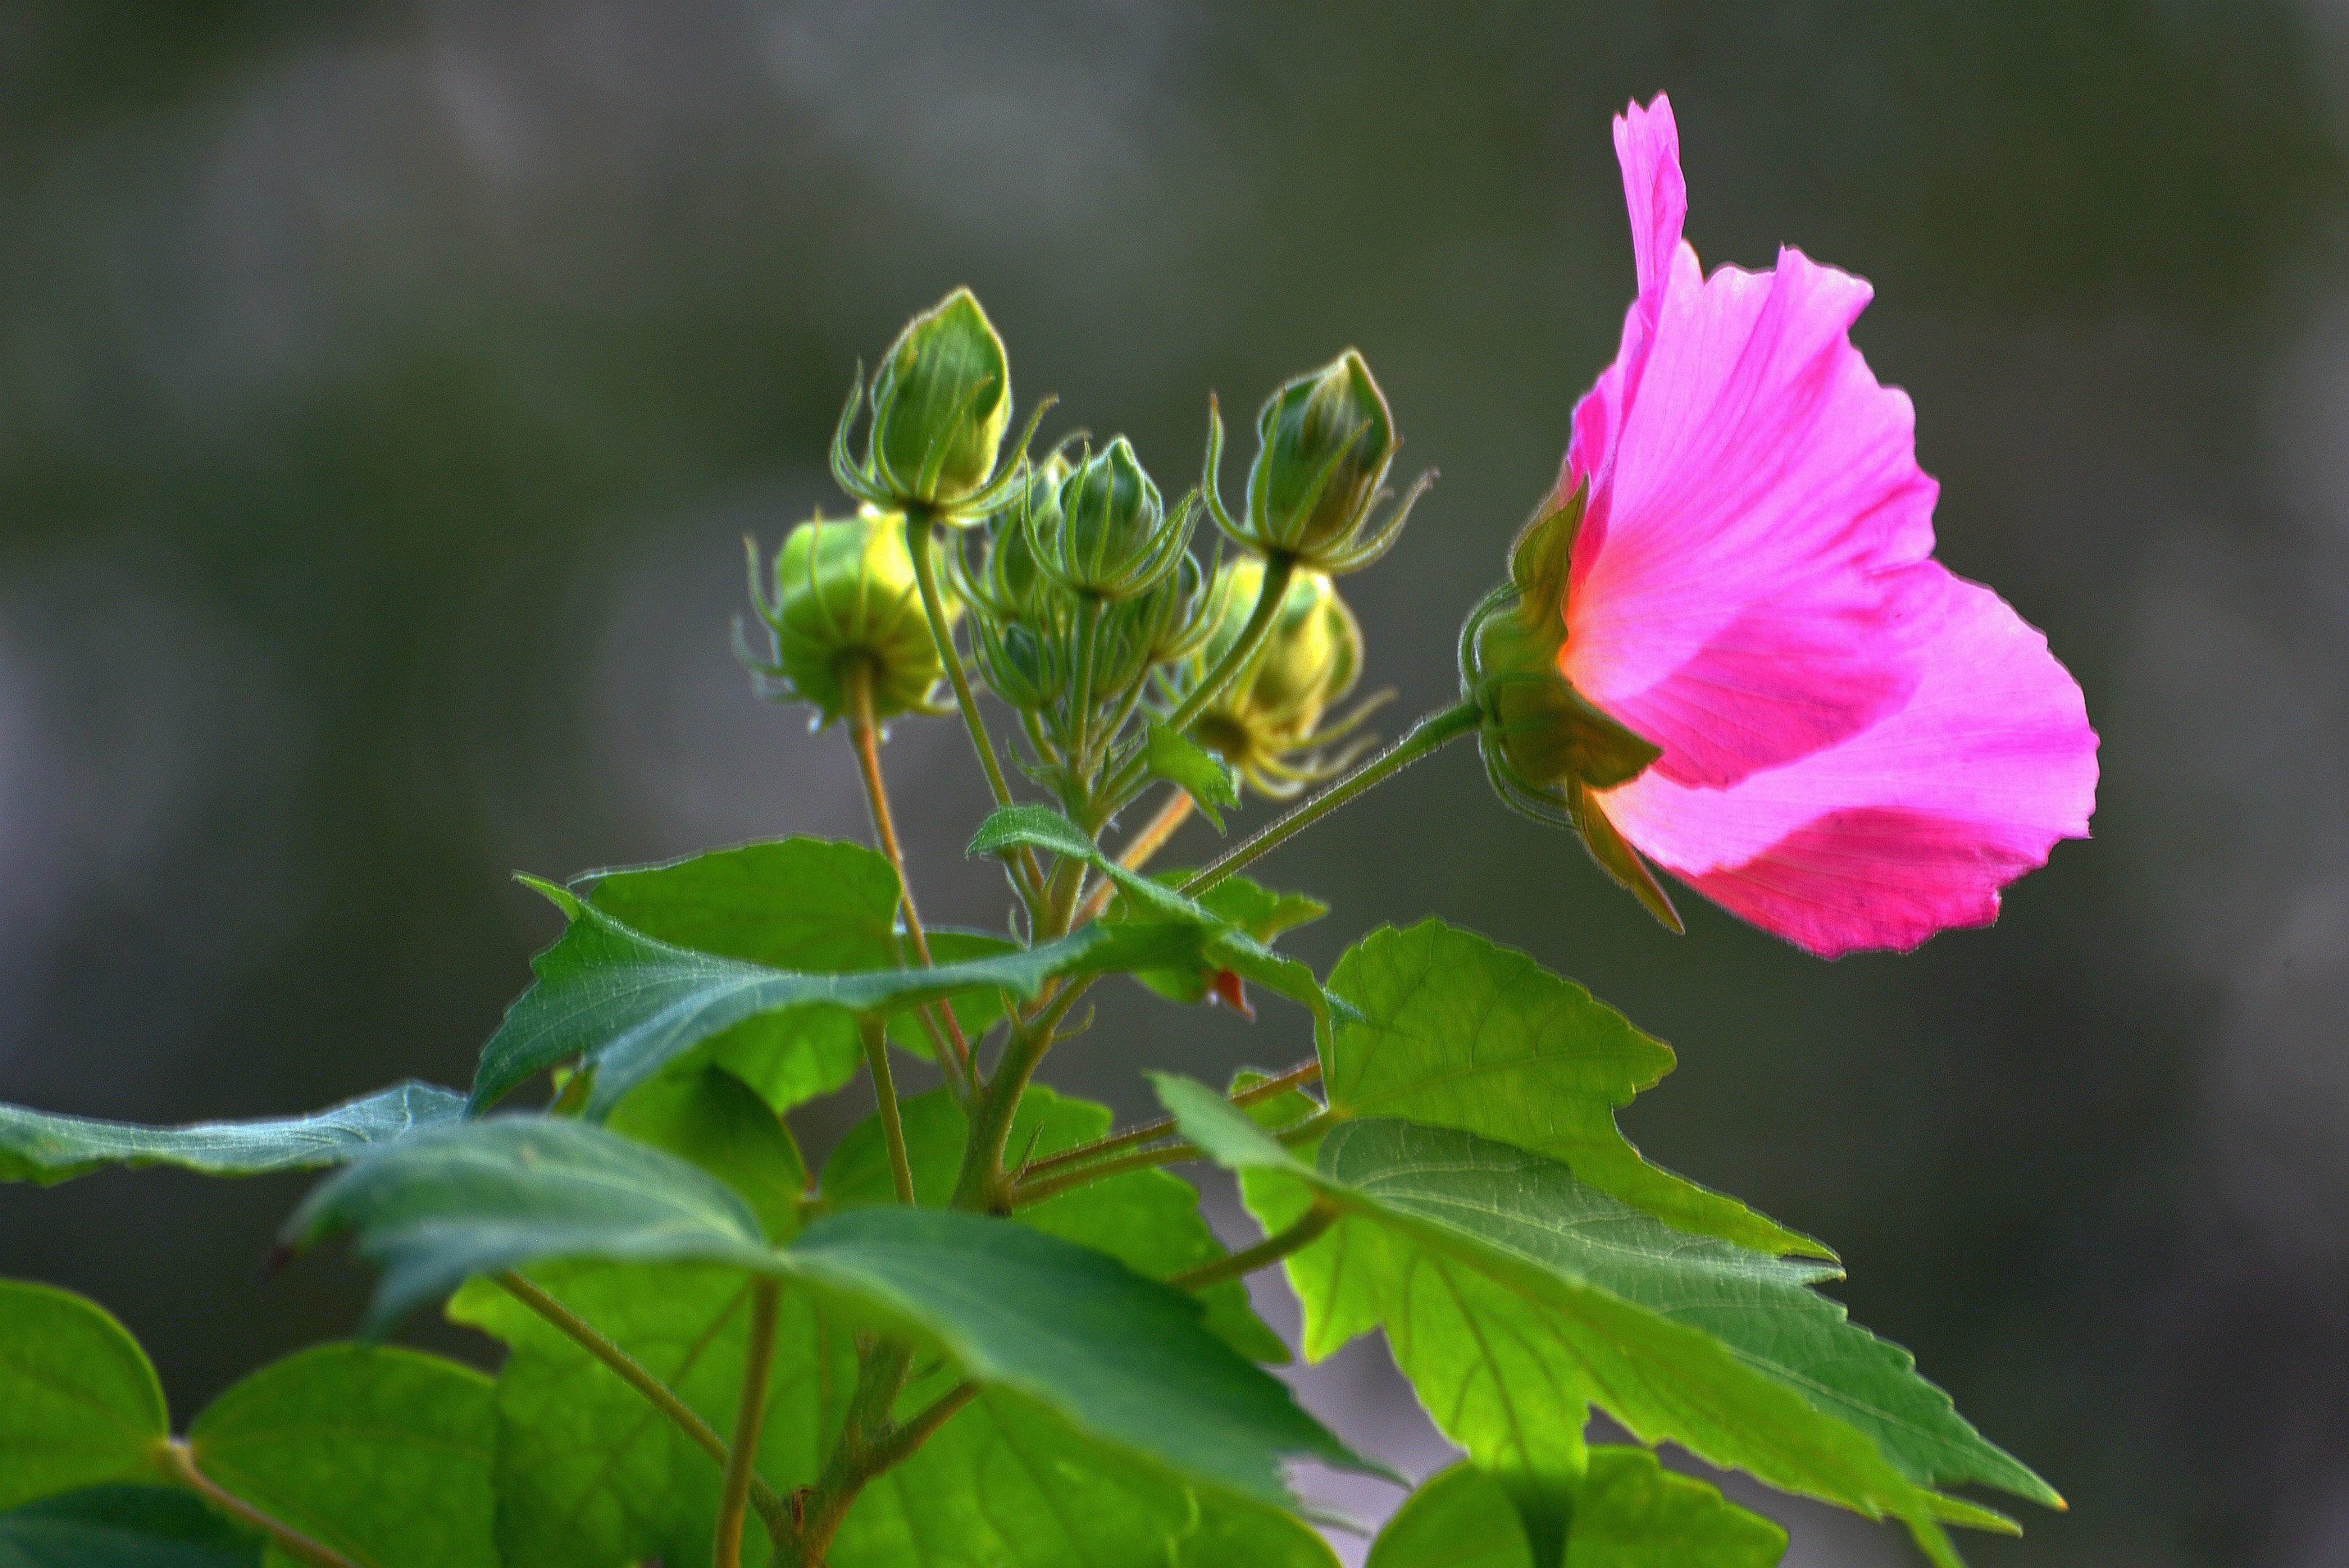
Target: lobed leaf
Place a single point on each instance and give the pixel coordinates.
(123, 1526)
(1628, 1512)
(382, 1453)
(37, 1146)
(1513, 1296)
(1454, 1030)
(715, 1121)
(630, 1005)
(1122, 1358)
(79, 1402)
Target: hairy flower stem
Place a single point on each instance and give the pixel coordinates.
(1432, 730)
(1296, 1077)
(178, 1461)
(924, 537)
(1271, 1250)
(876, 1035)
(773, 1511)
(742, 1463)
(1278, 571)
(864, 739)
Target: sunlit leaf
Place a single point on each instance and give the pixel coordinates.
(37, 1145)
(714, 1120)
(381, 1453)
(1205, 778)
(79, 1403)
(1513, 1295)
(1455, 1031)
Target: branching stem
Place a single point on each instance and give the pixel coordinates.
(922, 540)
(1304, 1072)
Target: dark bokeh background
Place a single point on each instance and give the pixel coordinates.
(384, 389)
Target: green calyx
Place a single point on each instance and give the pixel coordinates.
(1107, 532)
(1270, 723)
(1546, 746)
(1325, 444)
(844, 597)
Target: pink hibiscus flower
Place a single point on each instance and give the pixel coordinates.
(1859, 748)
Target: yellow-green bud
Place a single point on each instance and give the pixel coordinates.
(1308, 664)
(845, 598)
(940, 404)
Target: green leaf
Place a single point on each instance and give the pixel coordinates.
(1147, 1219)
(1631, 1513)
(1203, 775)
(1258, 911)
(36, 1145)
(631, 1005)
(480, 1196)
(383, 1454)
(79, 1403)
(1513, 1295)
(1457, 1032)
(811, 904)
(714, 1120)
(1221, 943)
(123, 1527)
(588, 1471)
(1123, 1358)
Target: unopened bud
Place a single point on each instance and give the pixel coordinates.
(1108, 535)
(1265, 722)
(941, 401)
(1324, 444)
(844, 600)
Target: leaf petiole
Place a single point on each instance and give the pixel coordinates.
(178, 1461)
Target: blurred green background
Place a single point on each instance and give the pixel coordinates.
(384, 389)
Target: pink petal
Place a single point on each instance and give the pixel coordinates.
(1736, 589)
(1910, 825)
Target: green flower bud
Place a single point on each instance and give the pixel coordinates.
(1157, 628)
(941, 401)
(1325, 443)
(1108, 535)
(1268, 721)
(1021, 665)
(845, 598)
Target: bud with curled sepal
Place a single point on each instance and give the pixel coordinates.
(1006, 585)
(1270, 723)
(1324, 444)
(1108, 535)
(842, 597)
(1546, 747)
(1022, 664)
(941, 404)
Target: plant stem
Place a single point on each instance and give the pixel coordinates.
(1296, 1077)
(922, 537)
(868, 1444)
(1139, 849)
(1173, 1152)
(179, 1459)
(1432, 730)
(773, 1511)
(1081, 693)
(1278, 570)
(741, 1464)
(876, 1035)
(981, 1183)
(864, 739)
(1271, 1250)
